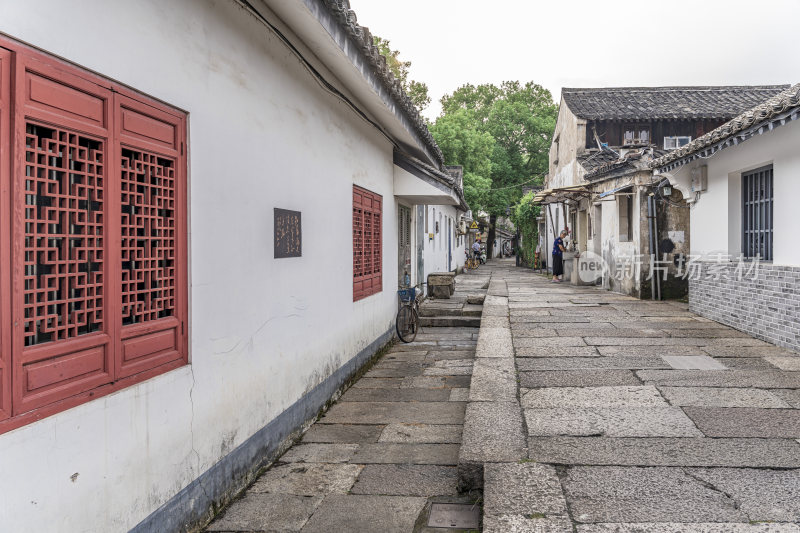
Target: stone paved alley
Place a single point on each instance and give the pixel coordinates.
(573, 409)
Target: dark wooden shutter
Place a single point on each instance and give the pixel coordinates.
(152, 258)
(63, 337)
(367, 243)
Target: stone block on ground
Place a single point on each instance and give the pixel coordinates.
(493, 380)
(577, 378)
(708, 527)
(598, 494)
(762, 494)
(611, 422)
(421, 433)
(590, 363)
(682, 451)
(342, 433)
(407, 480)
(307, 479)
(765, 379)
(494, 342)
(630, 396)
(319, 453)
(400, 453)
(722, 397)
(366, 514)
(522, 489)
(493, 432)
(746, 422)
(526, 524)
(261, 512)
(395, 412)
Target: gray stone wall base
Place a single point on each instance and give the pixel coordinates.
(767, 307)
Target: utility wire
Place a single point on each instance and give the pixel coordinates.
(518, 184)
(314, 72)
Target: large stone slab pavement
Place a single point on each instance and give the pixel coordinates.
(386, 450)
(644, 418)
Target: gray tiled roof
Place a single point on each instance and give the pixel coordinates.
(776, 111)
(654, 103)
(363, 38)
(634, 160)
(594, 158)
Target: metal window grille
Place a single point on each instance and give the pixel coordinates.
(757, 221)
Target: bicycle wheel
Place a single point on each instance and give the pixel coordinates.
(407, 323)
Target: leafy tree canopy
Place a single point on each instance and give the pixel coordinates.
(520, 120)
(416, 91)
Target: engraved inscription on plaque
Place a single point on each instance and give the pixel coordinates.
(288, 234)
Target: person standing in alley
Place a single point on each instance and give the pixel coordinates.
(558, 257)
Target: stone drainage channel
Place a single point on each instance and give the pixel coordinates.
(384, 457)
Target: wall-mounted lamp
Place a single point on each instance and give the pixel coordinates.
(666, 190)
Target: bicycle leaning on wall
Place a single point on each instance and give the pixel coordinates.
(407, 322)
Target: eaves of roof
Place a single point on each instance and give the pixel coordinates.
(346, 18)
(776, 111)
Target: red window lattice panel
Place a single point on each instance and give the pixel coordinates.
(148, 236)
(94, 289)
(367, 243)
(64, 237)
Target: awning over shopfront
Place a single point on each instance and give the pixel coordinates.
(561, 194)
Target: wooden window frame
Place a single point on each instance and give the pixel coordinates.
(39, 90)
(637, 130)
(367, 248)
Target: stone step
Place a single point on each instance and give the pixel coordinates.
(475, 299)
(430, 310)
(472, 310)
(450, 321)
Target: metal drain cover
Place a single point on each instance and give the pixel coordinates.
(454, 516)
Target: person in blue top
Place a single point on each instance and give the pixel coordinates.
(558, 257)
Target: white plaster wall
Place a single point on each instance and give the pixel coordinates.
(571, 134)
(263, 134)
(716, 216)
(435, 254)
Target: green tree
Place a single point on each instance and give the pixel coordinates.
(462, 142)
(524, 217)
(416, 90)
(520, 119)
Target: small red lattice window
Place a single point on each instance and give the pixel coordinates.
(367, 243)
(93, 294)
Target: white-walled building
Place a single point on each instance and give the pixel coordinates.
(211, 204)
(742, 182)
(600, 186)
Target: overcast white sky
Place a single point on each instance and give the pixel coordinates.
(589, 43)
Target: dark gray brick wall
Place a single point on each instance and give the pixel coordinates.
(767, 307)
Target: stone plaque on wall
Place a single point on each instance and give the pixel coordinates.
(288, 234)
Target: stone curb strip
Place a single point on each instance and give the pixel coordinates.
(493, 425)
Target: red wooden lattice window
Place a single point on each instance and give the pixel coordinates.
(93, 286)
(367, 243)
